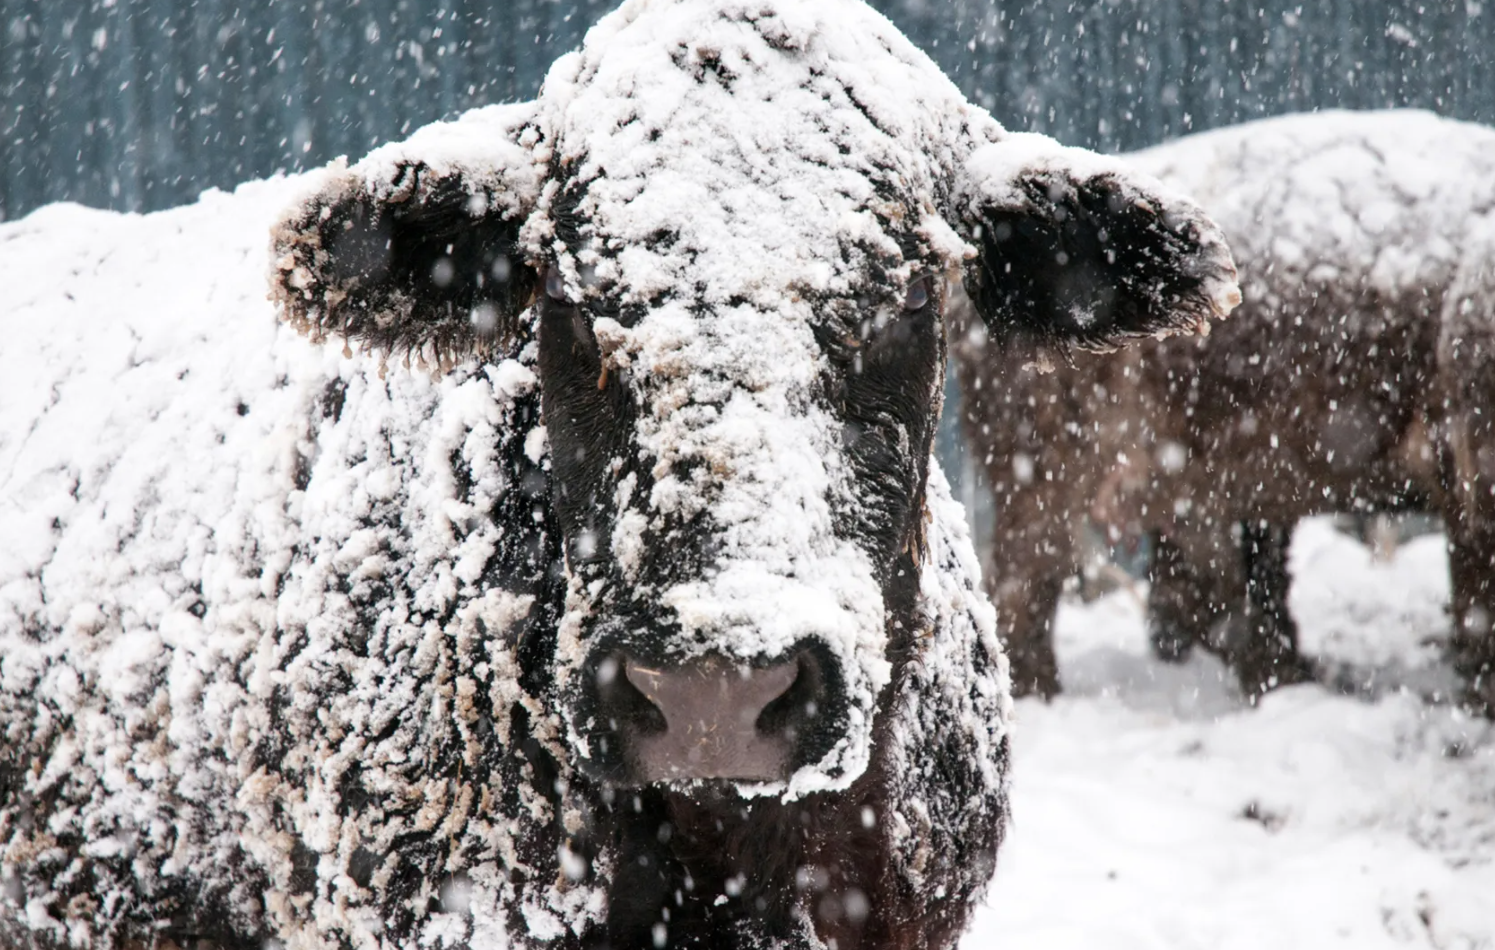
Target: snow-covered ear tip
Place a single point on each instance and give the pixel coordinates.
(426, 268)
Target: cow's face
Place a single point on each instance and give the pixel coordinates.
(739, 477)
(736, 225)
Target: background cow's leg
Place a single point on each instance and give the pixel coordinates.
(1266, 655)
(1032, 545)
(1040, 492)
(1179, 608)
(1031, 554)
(1467, 476)
(1196, 584)
(1026, 619)
(1470, 522)
(1031, 557)
(1471, 562)
(1015, 421)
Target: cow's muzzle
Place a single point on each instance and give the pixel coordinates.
(713, 717)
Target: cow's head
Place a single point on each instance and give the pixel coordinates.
(721, 236)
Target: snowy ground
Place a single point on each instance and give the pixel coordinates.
(1152, 810)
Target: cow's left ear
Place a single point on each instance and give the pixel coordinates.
(1075, 249)
(416, 250)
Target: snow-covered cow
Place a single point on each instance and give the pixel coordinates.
(1359, 375)
(637, 614)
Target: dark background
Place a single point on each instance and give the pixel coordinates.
(141, 104)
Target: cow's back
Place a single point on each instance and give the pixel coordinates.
(1347, 228)
(239, 569)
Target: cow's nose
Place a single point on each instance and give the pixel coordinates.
(713, 718)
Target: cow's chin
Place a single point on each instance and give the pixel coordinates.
(715, 794)
(758, 772)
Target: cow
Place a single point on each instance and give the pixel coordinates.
(607, 595)
(1358, 376)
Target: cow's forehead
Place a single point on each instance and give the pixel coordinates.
(747, 151)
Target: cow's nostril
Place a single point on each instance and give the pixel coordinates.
(713, 714)
(794, 712)
(621, 705)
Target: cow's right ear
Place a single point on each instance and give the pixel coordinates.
(415, 250)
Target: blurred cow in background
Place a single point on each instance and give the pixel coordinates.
(1357, 376)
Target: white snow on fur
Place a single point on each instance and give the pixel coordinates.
(150, 438)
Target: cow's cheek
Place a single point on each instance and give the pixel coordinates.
(587, 421)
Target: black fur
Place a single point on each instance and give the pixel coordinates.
(1084, 264)
(438, 274)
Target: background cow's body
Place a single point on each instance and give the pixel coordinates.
(305, 650)
(1355, 377)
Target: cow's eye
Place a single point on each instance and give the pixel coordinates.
(917, 297)
(555, 285)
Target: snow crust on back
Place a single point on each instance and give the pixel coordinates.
(243, 576)
(1376, 198)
